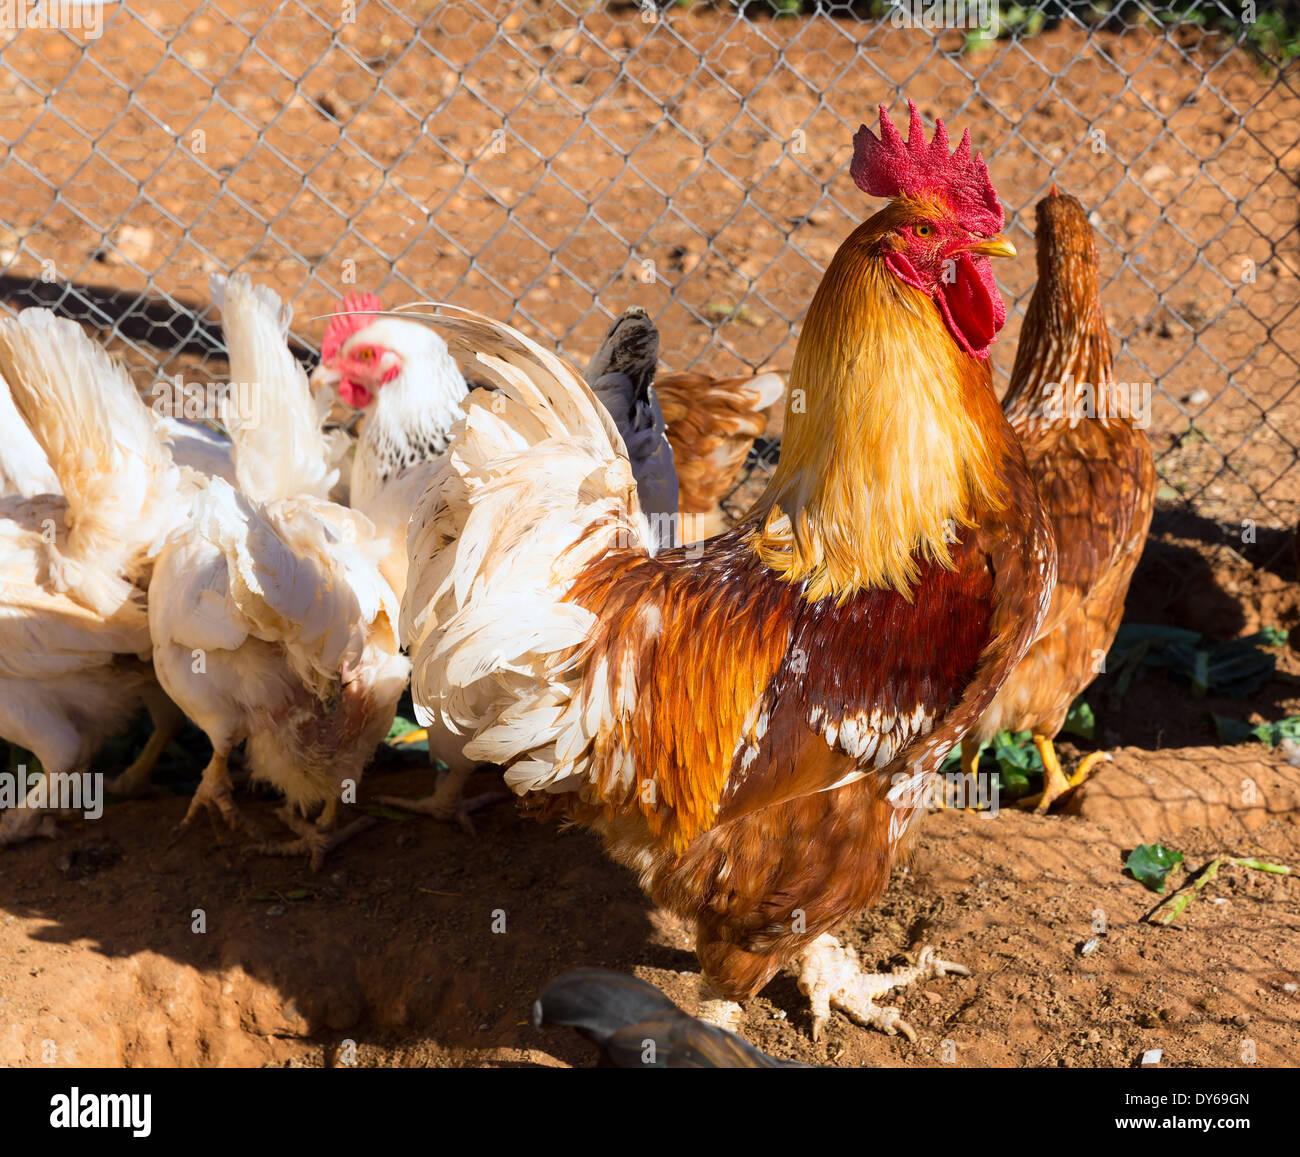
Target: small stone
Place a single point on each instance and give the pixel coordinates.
(1197, 397)
(1094, 1037)
(1152, 1057)
(1088, 947)
(275, 910)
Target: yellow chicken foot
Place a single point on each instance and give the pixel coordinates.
(314, 840)
(832, 977)
(446, 804)
(167, 722)
(213, 794)
(970, 768)
(1055, 782)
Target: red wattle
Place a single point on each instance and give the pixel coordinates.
(972, 306)
(358, 397)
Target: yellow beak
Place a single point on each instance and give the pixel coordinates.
(997, 246)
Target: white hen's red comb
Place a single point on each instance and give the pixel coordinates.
(356, 312)
(888, 166)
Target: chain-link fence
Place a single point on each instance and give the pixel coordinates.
(552, 163)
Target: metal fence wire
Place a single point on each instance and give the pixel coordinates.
(552, 163)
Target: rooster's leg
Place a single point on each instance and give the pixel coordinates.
(167, 721)
(968, 797)
(832, 977)
(315, 840)
(970, 768)
(1055, 782)
(445, 803)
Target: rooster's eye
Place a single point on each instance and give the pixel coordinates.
(365, 355)
(924, 230)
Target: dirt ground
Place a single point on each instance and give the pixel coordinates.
(391, 945)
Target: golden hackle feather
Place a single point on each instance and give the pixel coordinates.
(885, 444)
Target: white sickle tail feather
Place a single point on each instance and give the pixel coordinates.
(536, 486)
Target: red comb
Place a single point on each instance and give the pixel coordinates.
(356, 312)
(888, 166)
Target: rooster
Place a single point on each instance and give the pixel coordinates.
(1096, 477)
(712, 424)
(75, 560)
(752, 724)
(271, 622)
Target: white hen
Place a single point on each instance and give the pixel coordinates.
(271, 622)
(400, 373)
(24, 469)
(74, 642)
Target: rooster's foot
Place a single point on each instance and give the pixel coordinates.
(314, 840)
(832, 977)
(1055, 782)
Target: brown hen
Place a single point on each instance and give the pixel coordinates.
(1096, 478)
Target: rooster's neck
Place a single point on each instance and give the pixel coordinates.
(893, 441)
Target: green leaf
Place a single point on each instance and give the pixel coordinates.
(1235, 731)
(1269, 637)
(400, 727)
(1080, 720)
(1150, 864)
(1237, 668)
